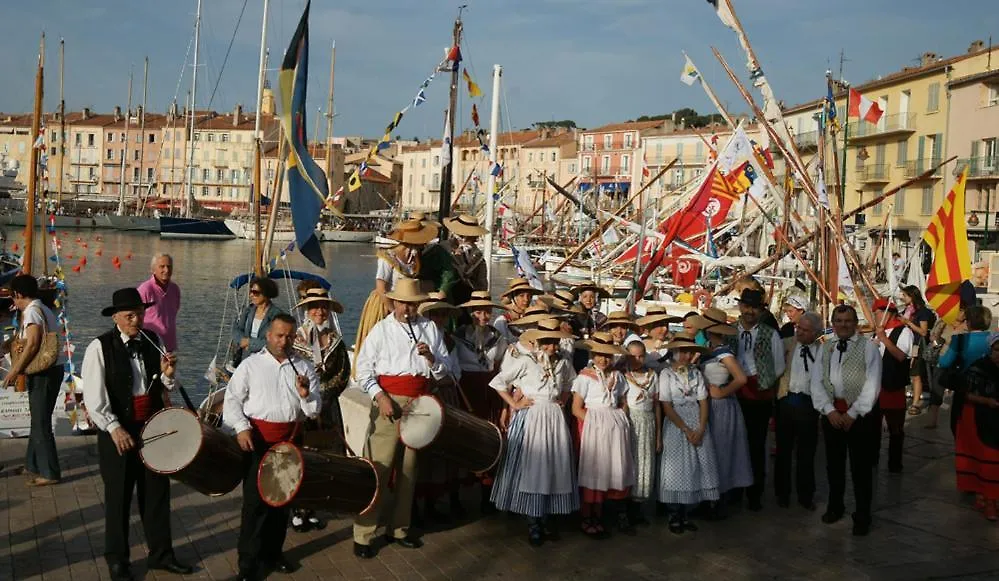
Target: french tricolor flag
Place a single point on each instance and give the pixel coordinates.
(863, 108)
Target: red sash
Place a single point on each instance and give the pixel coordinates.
(752, 390)
(274, 432)
(404, 385)
(841, 405)
(142, 407)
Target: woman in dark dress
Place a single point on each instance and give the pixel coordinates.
(976, 455)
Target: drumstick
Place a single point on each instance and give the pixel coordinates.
(158, 436)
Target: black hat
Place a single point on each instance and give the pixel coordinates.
(752, 298)
(125, 299)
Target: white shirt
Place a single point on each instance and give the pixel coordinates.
(471, 352)
(801, 380)
(38, 314)
(746, 358)
(906, 342)
(385, 272)
(95, 393)
(868, 394)
(678, 389)
(642, 399)
(599, 390)
(264, 388)
(389, 349)
(536, 377)
(255, 327)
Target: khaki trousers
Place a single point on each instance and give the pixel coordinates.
(385, 450)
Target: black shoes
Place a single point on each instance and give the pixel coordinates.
(120, 572)
(280, 565)
(861, 525)
(172, 566)
(831, 516)
(406, 542)
(363, 551)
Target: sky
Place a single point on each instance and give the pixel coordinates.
(592, 61)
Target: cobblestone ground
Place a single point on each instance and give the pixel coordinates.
(923, 529)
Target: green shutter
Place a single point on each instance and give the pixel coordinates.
(937, 147)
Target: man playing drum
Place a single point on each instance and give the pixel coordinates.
(269, 395)
(399, 356)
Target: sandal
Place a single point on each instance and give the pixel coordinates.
(590, 527)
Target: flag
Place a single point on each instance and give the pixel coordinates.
(724, 11)
(610, 236)
(831, 120)
(497, 170)
(690, 73)
(354, 182)
(473, 89)
(863, 108)
(307, 185)
(525, 268)
(475, 115)
(446, 141)
(454, 55)
(420, 97)
(947, 236)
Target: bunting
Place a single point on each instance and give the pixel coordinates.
(947, 236)
(475, 115)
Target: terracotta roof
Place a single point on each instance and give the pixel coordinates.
(153, 121)
(977, 77)
(15, 120)
(630, 125)
(554, 141)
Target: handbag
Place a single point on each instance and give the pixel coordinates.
(48, 351)
(952, 377)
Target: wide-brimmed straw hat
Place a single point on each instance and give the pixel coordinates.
(481, 300)
(407, 290)
(590, 285)
(600, 342)
(562, 300)
(465, 225)
(684, 342)
(315, 296)
(436, 301)
(546, 329)
(534, 314)
(520, 285)
(125, 299)
(413, 232)
(656, 317)
(619, 318)
(712, 321)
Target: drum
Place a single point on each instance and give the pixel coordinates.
(176, 443)
(470, 442)
(306, 478)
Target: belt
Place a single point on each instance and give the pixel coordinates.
(798, 400)
(404, 385)
(274, 432)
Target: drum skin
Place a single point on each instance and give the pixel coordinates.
(468, 441)
(177, 444)
(311, 479)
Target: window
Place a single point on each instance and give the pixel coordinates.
(423, 197)
(410, 180)
(54, 136)
(903, 153)
(624, 163)
(204, 191)
(224, 138)
(90, 140)
(659, 152)
(149, 174)
(152, 138)
(608, 140)
(572, 167)
(437, 161)
(677, 178)
(176, 153)
(423, 163)
(900, 203)
(878, 209)
(553, 156)
(605, 164)
(218, 192)
(110, 154)
(135, 174)
(138, 138)
(206, 175)
(123, 138)
(530, 157)
(197, 137)
(92, 174)
(20, 148)
(587, 164)
(220, 175)
(679, 151)
(992, 98)
(699, 150)
(933, 98)
(587, 143)
(423, 181)
(79, 139)
(110, 137)
(135, 155)
(927, 206)
(436, 180)
(628, 137)
(211, 137)
(52, 151)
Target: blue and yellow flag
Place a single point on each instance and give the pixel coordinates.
(307, 184)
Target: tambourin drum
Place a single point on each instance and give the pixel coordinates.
(306, 478)
(456, 435)
(176, 443)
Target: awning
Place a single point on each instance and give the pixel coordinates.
(615, 187)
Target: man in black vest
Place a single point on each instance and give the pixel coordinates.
(125, 372)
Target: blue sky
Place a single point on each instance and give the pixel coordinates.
(593, 61)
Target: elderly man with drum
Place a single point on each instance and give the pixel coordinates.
(125, 372)
(269, 395)
(399, 356)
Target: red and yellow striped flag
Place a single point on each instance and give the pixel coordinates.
(948, 238)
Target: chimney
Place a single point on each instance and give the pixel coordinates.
(117, 112)
(236, 114)
(86, 113)
(928, 58)
(976, 46)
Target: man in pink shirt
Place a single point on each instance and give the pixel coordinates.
(164, 295)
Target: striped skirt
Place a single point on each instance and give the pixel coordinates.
(728, 431)
(688, 474)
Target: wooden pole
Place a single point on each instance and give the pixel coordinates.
(62, 123)
(36, 121)
(444, 207)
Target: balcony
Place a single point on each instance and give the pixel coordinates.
(889, 125)
(916, 167)
(874, 173)
(981, 168)
(807, 140)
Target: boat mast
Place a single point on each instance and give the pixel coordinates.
(329, 124)
(62, 122)
(142, 131)
(189, 178)
(258, 190)
(124, 150)
(491, 180)
(444, 208)
(29, 203)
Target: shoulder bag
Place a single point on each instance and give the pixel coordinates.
(48, 351)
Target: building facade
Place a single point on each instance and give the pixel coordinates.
(973, 132)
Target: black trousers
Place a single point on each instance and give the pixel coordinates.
(858, 444)
(757, 415)
(896, 436)
(121, 475)
(797, 438)
(263, 528)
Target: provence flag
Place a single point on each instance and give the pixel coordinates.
(307, 185)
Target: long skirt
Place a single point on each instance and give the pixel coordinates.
(605, 460)
(537, 477)
(372, 312)
(688, 474)
(728, 431)
(976, 463)
(643, 446)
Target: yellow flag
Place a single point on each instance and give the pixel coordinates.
(947, 236)
(473, 89)
(354, 183)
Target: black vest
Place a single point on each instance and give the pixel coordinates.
(118, 373)
(894, 373)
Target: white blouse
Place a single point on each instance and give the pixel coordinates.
(599, 390)
(679, 388)
(390, 275)
(534, 375)
(642, 389)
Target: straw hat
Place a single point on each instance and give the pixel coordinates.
(520, 285)
(407, 290)
(562, 300)
(317, 296)
(422, 217)
(413, 232)
(481, 300)
(547, 329)
(684, 342)
(619, 318)
(534, 314)
(713, 321)
(465, 225)
(590, 285)
(436, 301)
(656, 317)
(600, 342)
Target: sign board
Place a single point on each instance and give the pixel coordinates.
(15, 414)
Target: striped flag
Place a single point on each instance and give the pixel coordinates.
(948, 238)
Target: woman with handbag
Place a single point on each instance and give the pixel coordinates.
(35, 353)
(963, 350)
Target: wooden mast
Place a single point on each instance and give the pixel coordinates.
(329, 125)
(142, 132)
(444, 208)
(258, 189)
(124, 150)
(29, 203)
(62, 123)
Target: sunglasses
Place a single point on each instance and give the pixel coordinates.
(254, 292)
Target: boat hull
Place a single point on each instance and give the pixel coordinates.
(194, 229)
(129, 223)
(346, 236)
(61, 222)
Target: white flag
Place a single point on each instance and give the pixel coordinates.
(736, 151)
(610, 236)
(845, 280)
(446, 142)
(690, 73)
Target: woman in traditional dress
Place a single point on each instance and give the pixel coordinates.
(724, 377)
(249, 332)
(317, 341)
(537, 478)
(480, 349)
(562, 304)
(655, 324)
(518, 297)
(976, 454)
(645, 417)
(400, 261)
(688, 473)
(606, 465)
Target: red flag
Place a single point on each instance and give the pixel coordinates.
(475, 115)
(863, 108)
